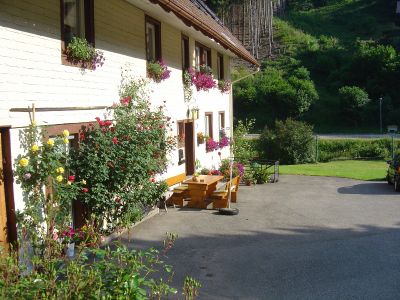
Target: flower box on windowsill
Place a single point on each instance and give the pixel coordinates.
(158, 71)
(202, 79)
(81, 54)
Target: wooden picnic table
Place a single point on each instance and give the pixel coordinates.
(202, 189)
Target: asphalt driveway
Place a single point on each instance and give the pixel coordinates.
(301, 238)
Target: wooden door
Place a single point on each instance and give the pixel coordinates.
(3, 207)
(189, 148)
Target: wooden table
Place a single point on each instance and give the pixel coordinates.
(200, 190)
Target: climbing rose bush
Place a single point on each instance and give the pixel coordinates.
(42, 171)
(120, 159)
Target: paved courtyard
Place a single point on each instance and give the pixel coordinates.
(301, 238)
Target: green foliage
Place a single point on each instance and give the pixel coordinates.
(191, 288)
(260, 174)
(119, 159)
(79, 50)
(276, 92)
(243, 148)
(352, 100)
(110, 273)
(332, 149)
(290, 141)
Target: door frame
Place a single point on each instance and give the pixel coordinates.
(8, 185)
(190, 166)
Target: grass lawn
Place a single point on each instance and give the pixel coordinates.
(356, 169)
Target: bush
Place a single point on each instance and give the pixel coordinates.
(237, 169)
(260, 174)
(243, 148)
(331, 149)
(119, 159)
(290, 142)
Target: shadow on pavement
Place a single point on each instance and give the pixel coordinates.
(368, 188)
(289, 263)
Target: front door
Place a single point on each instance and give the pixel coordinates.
(189, 148)
(3, 209)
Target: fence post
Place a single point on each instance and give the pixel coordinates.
(316, 148)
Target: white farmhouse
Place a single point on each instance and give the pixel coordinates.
(34, 70)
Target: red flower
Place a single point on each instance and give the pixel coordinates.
(152, 180)
(112, 129)
(115, 140)
(126, 100)
(97, 119)
(71, 178)
(101, 123)
(81, 136)
(90, 124)
(108, 123)
(104, 130)
(85, 190)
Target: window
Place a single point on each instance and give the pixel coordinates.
(203, 56)
(221, 120)
(77, 20)
(220, 66)
(153, 39)
(185, 53)
(208, 124)
(181, 134)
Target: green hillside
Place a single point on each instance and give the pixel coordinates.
(345, 51)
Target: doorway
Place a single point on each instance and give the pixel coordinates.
(189, 148)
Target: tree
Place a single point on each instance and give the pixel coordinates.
(353, 99)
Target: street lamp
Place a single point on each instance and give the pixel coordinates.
(380, 113)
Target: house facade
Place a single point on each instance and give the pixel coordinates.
(130, 33)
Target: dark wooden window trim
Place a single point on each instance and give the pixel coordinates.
(185, 53)
(220, 67)
(157, 25)
(202, 49)
(221, 124)
(89, 30)
(210, 124)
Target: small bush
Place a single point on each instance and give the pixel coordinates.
(290, 141)
(260, 174)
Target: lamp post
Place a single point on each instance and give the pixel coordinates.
(380, 113)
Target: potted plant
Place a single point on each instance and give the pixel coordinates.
(80, 51)
(248, 178)
(203, 78)
(224, 86)
(195, 177)
(158, 71)
(211, 145)
(200, 138)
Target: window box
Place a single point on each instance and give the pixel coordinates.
(202, 79)
(158, 71)
(80, 52)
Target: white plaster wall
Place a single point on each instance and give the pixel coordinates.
(31, 71)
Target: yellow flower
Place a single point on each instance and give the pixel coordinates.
(60, 170)
(83, 181)
(33, 124)
(59, 178)
(34, 148)
(23, 162)
(69, 182)
(65, 133)
(66, 141)
(50, 142)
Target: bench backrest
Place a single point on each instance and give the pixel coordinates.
(175, 179)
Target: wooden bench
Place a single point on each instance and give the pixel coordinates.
(220, 197)
(179, 190)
